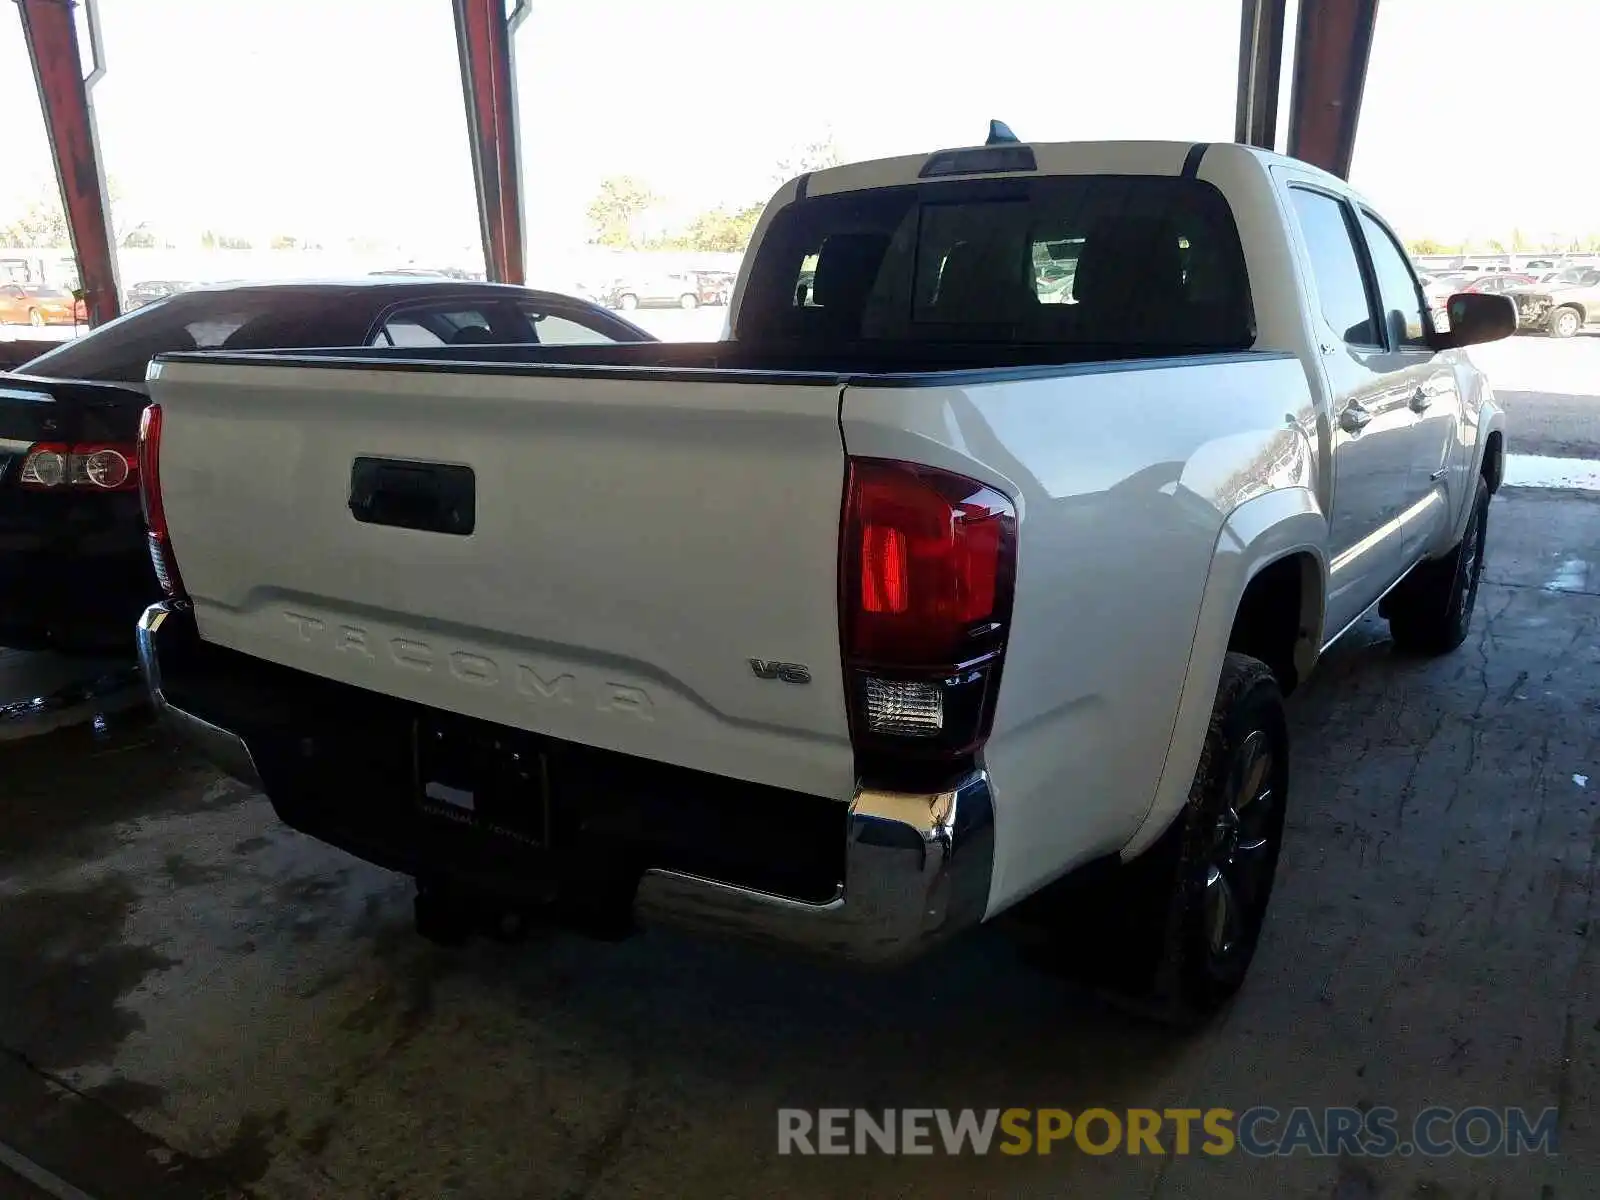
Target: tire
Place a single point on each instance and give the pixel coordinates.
(35, 318)
(1144, 937)
(1431, 611)
(688, 300)
(1565, 322)
(442, 915)
(628, 301)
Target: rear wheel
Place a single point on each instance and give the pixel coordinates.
(628, 301)
(1431, 611)
(688, 300)
(1219, 869)
(1173, 933)
(35, 318)
(1565, 322)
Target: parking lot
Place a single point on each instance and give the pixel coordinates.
(219, 1006)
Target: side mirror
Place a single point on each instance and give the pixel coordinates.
(1477, 317)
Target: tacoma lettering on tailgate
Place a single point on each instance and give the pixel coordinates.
(551, 685)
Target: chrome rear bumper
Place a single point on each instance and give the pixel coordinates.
(917, 865)
(219, 746)
(917, 869)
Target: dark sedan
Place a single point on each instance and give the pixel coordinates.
(74, 572)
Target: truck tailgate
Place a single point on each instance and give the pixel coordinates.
(634, 544)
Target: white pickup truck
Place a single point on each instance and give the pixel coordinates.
(1026, 482)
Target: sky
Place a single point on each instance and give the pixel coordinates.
(337, 118)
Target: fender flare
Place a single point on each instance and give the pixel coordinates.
(1258, 533)
(1491, 421)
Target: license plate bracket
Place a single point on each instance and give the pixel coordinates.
(483, 776)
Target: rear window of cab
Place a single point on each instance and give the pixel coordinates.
(1146, 262)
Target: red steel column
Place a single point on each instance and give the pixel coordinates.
(1330, 70)
(484, 34)
(52, 36)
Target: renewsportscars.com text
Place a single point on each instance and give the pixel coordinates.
(1260, 1131)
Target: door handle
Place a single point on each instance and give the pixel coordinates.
(1354, 418)
(431, 497)
(1420, 400)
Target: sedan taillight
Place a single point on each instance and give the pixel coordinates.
(85, 466)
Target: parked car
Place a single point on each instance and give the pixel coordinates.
(74, 572)
(33, 304)
(848, 633)
(1500, 282)
(1437, 290)
(681, 290)
(152, 290)
(426, 273)
(713, 287)
(1561, 306)
(411, 273)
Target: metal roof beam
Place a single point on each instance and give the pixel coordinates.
(51, 32)
(1332, 47)
(484, 34)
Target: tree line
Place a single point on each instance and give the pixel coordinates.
(1517, 243)
(42, 224)
(619, 215)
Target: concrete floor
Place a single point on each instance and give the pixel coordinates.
(194, 1000)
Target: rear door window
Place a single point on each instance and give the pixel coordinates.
(1113, 264)
(1336, 267)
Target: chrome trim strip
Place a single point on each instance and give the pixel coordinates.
(219, 746)
(917, 869)
(1356, 620)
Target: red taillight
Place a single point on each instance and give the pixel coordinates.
(88, 466)
(926, 581)
(155, 514)
(883, 570)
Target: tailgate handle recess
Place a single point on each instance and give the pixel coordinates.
(432, 497)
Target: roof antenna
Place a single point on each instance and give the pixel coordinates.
(1000, 134)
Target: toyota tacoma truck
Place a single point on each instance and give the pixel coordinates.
(911, 596)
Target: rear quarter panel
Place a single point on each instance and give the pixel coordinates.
(1124, 478)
